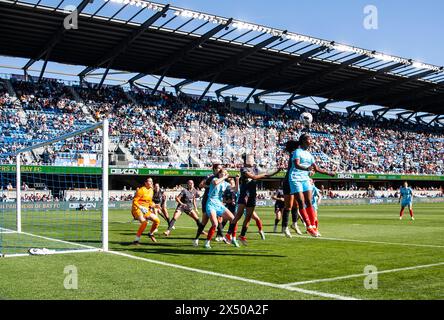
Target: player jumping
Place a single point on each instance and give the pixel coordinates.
(406, 200)
(302, 163)
(247, 198)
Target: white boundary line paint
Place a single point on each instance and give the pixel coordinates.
(362, 241)
(363, 274)
(347, 240)
(16, 255)
(256, 282)
(57, 240)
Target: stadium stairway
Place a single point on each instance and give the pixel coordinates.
(9, 87)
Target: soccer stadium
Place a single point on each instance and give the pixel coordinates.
(183, 155)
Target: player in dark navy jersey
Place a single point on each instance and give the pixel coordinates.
(249, 175)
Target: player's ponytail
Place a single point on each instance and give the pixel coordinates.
(244, 158)
(291, 146)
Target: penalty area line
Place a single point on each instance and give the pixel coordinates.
(362, 241)
(217, 274)
(364, 274)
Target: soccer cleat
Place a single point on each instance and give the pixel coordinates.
(243, 240)
(235, 243)
(318, 234)
(413, 218)
(400, 218)
(196, 243)
(207, 245)
(312, 231)
(262, 234)
(136, 243)
(295, 227)
(151, 236)
(174, 228)
(227, 239)
(287, 233)
(167, 233)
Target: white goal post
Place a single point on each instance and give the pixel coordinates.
(43, 217)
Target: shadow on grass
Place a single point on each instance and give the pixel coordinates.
(183, 249)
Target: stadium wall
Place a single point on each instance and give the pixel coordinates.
(48, 206)
(190, 173)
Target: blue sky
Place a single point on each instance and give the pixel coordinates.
(410, 29)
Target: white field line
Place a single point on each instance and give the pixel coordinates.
(7, 231)
(346, 240)
(256, 282)
(363, 274)
(57, 252)
(363, 241)
(57, 240)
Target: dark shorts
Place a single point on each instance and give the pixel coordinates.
(286, 187)
(248, 200)
(204, 205)
(279, 206)
(185, 209)
(231, 207)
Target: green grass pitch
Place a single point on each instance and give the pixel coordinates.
(353, 237)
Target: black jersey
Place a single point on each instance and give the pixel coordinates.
(279, 203)
(248, 186)
(187, 197)
(229, 196)
(159, 197)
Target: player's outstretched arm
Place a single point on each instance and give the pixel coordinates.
(318, 169)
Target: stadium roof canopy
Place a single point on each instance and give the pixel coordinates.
(147, 38)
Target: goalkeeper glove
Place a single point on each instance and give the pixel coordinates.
(144, 210)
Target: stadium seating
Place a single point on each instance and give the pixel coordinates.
(165, 130)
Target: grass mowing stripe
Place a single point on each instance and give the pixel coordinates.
(268, 284)
(363, 274)
(348, 240)
(363, 241)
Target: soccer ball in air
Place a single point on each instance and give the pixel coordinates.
(306, 118)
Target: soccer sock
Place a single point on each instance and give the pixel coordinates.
(244, 231)
(276, 222)
(171, 225)
(231, 228)
(294, 215)
(259, 224)
(200, 229)
(402, 213)
(224, 224)
(156, 223)
(312, 215)
(219, 230)
(211, 233)
(142, 229)
(305, 217)
(198, 223)
(411, 213)
(285, 216)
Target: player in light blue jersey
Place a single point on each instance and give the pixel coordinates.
(215, 207)
(317, 198)
(297, 185)
(406, 200)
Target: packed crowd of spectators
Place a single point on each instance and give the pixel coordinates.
(164, 128)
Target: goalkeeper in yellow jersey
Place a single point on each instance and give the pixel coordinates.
(143, 209)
